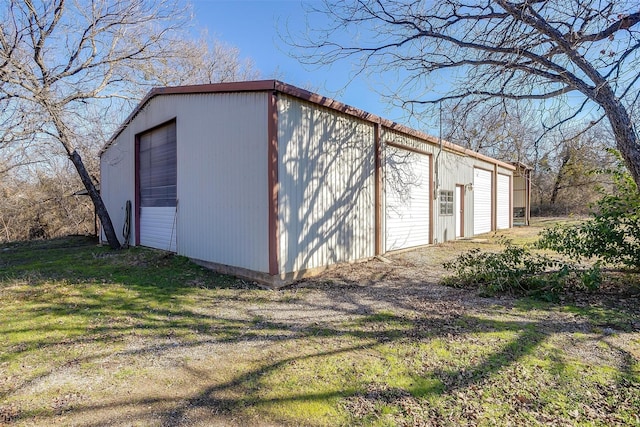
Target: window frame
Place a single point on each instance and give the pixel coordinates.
(447, 202)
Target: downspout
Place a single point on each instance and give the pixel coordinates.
(436, 189)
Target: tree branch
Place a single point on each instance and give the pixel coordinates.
(623, 23)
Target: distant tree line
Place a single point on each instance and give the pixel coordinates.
(69, 73)
(502, 71)
(564, 161)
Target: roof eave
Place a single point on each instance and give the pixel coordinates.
(250, 86)
(296, 92)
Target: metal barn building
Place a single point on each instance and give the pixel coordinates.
(521, 194)
(270, 182)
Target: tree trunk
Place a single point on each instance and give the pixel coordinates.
(101, 209)
(560, 177)
(629, 146)
(626, 137)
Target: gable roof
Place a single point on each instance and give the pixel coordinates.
(296, 92)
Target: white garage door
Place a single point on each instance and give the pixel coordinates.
(157, 176)
(504, 201)
(407, 199)
(157, 228)
(459, 214)
(481, 201)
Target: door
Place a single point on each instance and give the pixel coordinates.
(157, 188)
(459, 211)
(503, 202)
(407, 198)
(482, 201)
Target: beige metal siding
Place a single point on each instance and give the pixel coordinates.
(412, 142)
(222, 178)
(222, 174)
(519, 191)
(453, 170)
(326, 186)
(117, 181)
(520, 201)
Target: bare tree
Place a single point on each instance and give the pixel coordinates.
(504, 130)
(42, 205)
(565, 178)
(203, 61)
(58, 56)
(482, 49)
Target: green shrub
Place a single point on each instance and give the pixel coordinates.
(518, 271)
(612, 235)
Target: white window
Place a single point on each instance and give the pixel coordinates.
(446, 202)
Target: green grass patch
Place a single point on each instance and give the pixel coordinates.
(94, 336)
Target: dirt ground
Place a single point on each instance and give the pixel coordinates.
(160, 380)
(409, 280)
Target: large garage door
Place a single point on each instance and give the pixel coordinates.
(158, 189)
(504, 201)
(481, 201)
(407, 199)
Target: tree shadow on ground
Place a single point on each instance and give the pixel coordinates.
(324, 320)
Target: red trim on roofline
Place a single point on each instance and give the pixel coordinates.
(278, 86)
(251, 86)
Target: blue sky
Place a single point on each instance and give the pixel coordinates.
(254, 26)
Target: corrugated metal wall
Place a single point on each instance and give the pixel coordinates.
(453, 170)
(222, 174)
(326, 186)
(519, 191)
(222, 178)
(117, 181)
